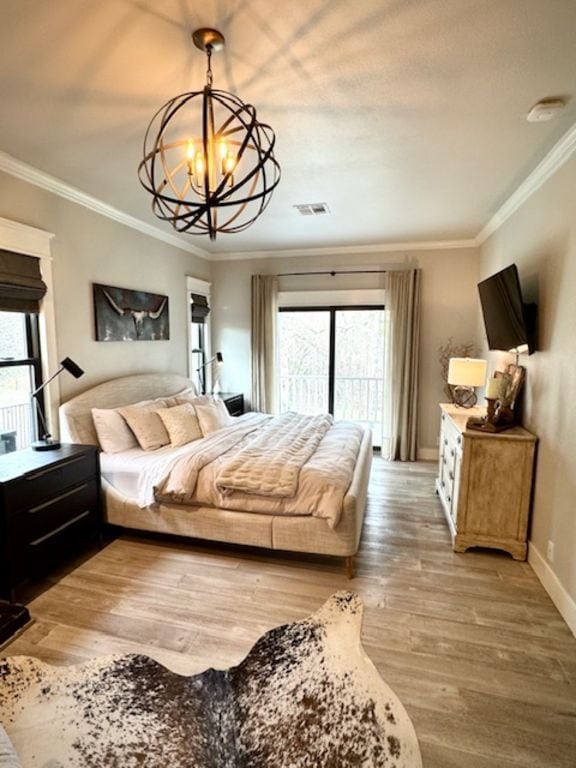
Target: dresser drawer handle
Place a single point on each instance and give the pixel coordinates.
(451, 475)
(54, 499)
(41, 473)
(59, 529)
(452, 452)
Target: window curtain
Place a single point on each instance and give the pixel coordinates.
(21, 284)
(264, 313)
(401, 358)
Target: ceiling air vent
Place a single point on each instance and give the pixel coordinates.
(312, 209)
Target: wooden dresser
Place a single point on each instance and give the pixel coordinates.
(485, 483)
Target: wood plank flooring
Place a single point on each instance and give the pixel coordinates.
(471, 643)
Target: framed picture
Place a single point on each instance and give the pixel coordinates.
(513, 380)
(121, 314)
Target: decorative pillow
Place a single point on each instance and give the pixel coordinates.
(181, 423)
(114, 435)
(212, 414)
(186, 396)
(143, 420)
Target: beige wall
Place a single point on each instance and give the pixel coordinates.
(541, 239)
(91, 248)
(449, 308)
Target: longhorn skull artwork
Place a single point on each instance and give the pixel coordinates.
(125, 315)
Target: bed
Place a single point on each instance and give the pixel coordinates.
(128, 506)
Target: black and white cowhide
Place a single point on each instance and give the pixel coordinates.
(306, 696)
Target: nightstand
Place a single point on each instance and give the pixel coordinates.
(234, 402)
(49, 507)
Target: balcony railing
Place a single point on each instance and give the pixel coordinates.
(355, 398)
(15, 427)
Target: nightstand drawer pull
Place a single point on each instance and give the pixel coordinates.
(57, 498)
(64, 464)
(59, 529)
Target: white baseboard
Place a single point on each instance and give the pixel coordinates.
(427, 454)
(560, 597)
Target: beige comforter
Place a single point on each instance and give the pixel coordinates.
(237, 467)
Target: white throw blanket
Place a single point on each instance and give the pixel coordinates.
(321, 480)
(270, 464)
(175, 477)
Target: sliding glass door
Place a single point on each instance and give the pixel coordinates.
(331, 360)
(304, 347)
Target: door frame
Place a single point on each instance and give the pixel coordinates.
(331, 309)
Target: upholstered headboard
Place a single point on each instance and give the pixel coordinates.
(76, 424)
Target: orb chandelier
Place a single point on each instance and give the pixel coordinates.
(208, 163)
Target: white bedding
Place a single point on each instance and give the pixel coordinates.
(163, 474)
(123, 470)
(126, 470)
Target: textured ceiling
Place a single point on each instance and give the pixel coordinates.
(407, 117)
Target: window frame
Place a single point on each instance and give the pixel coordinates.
(33, 360)
(203, 288)
(331, 309)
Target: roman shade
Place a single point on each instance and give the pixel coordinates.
(199, 307)
(21, 284)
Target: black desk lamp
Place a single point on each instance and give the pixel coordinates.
(201, 370)
(46, 443)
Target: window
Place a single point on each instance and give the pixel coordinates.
(20, 375)
(199, 333)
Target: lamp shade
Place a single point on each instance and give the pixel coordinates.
(467, 372)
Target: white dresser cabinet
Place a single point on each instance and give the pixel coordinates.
(485, 483)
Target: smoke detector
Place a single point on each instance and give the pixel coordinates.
(312, 209)
(546, 109)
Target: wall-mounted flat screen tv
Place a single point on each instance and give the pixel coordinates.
(510, 323)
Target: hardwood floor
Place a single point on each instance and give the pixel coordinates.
(471, 643)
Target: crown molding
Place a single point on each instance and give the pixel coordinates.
(555, 159)
(21, 170)
(347, 250)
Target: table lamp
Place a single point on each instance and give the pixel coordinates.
(201, 370)
(465, 373)
(46, 443)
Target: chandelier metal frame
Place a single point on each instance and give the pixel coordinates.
(195, 189)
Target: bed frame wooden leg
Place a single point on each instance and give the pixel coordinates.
(350, 567)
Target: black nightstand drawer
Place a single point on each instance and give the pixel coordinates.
(50, 508)
(41, 521)
(46, 551)
(36, 486)
(234, 403)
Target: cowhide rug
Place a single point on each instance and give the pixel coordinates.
(306, 696)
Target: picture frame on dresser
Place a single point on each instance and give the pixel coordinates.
(513, 378)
